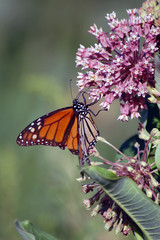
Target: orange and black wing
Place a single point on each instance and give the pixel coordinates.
(58, 128)
(88, 133)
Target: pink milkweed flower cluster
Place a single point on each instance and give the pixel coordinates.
(121, 65)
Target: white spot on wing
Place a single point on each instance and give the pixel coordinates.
(34, 136)
(32, 130)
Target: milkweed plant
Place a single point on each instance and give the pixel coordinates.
(124, 65)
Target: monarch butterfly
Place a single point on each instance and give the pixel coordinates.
(70, 126)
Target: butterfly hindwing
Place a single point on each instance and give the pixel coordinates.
(72, 141)
(88, 133)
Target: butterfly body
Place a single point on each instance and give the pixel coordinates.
(71, 126)
(80, 108)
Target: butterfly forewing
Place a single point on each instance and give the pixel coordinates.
(51, 129)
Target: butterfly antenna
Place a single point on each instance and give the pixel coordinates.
(70, 84)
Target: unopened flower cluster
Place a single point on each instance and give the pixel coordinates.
(151, 7)
(140, 172)
(114, 216)
(121, 65)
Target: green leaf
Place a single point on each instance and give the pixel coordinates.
(128, 147)
(157, 156)
(157, 71)
(153, 118)
(29, 232)
(138, 236)
(142, 210)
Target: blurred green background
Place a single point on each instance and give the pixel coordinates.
(38, 44)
